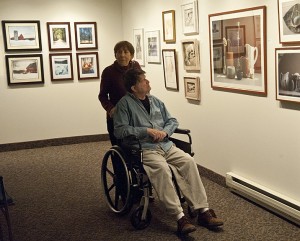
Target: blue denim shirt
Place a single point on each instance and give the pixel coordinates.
(131, 118)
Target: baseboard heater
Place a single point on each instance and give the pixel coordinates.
(276, 202)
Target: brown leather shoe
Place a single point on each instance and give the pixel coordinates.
(184, 226)
(209, 219)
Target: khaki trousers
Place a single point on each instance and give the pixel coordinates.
(157, 165)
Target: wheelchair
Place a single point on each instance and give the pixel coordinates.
(125, 182)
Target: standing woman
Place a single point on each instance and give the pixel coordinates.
(112, 87)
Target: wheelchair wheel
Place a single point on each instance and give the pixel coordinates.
(116, 181)
(136, 218)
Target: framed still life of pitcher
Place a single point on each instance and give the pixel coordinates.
(243, 55)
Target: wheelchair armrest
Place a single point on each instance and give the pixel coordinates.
(182, 131)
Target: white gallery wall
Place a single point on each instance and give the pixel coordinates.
(57, 109)
(255, 137)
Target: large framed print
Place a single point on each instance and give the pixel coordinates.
(169, 30)
(153, 46)
(170, 69)
(88, 65)
(138, 43)
(24, 69)
(86, 35)
(289, 21)
(61, 66)
(243, 58)
(189, 12)
(190, 53)
(59, 36)
(192, 88)
(287, 74)
(22, 35)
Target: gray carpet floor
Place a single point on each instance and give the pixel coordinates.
(58, 197)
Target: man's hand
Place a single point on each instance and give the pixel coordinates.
(112, 111)
(157, 135)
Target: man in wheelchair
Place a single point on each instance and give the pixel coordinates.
(140, 114)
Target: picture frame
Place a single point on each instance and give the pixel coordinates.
(289, 21)
(61, 66)
(217, 30)
(236, 38)
(87, 65)
(218, 54)
(287, 74)
(244, 62)
(189, 13)
(86, 35)
(169, 29)
(24, 69)
(59, 36)
(22, 36)
(192, 88)
(153, 46)
(138, 43)
(170, 69)
(191, 54)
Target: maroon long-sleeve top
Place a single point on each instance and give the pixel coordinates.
(112, 87)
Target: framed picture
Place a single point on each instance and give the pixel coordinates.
(88, 65)
(170, 69)
(243, 58)
(24, 69)
(189, 12)
(22, 35)
(169, 30)
(138, 43)
(192, 88)
(236, 39)
(289, 21)
(218, 57)
(86, 35)
(153, 46)
(190, 53)
(59, 36)
(217, 30)
(61, 66)
(287, 74)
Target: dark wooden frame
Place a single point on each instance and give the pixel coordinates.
(80, 72)
(66, 26)
(171, 55)
(78, 38)
(20, 37)
(52, 67)
(9, 71)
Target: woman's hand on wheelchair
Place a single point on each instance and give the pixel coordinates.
(157, 135)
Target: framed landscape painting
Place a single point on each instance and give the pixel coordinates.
(238, 62)
(61, 66)
(24, 69)
(59, 36)
(86, 35)
(22, 36)
(88, 65)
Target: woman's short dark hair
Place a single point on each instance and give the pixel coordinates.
(131, 77)
(124, 45)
